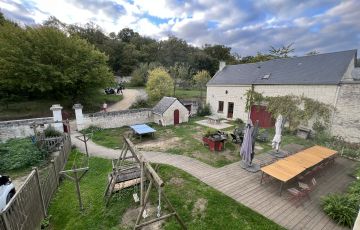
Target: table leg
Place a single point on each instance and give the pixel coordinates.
(281, 187)
(262, 176)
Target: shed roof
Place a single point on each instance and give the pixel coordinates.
(163, 105)
(327, 69)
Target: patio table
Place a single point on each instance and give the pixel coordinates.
(290, 167)
(142, 129)
(213, 119)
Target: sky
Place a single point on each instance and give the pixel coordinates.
(246, 26)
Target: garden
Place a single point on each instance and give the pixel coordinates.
(200, 206)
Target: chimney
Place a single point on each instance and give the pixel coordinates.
(222, 64)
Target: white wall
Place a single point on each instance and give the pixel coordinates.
(168, 116)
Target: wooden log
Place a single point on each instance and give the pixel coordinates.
(154, 220)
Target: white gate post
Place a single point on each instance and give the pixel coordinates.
(56, 109)
(79, 116)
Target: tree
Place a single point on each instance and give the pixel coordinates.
(220, 53)
(44, 62)
(282, 52)
(127, 34)
(179, 71)
(159, 84)
(201, 78)
(258, 58)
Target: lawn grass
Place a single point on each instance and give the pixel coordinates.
(218, 212)
(188, 93)
(189, 144)
(41, 108)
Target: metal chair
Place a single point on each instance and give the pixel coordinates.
(297, 195)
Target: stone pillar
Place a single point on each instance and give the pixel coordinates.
(79, 116)
(56, 109)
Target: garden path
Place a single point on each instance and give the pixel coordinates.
(129, 97)
(244, 187)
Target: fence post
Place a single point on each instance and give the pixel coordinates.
(6, 222)
(55, 171)
(40, 191)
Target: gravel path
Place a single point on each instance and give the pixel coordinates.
(129, 97)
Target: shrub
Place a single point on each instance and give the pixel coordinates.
(209, 132)
(204, 111)
(318, 127)
(51, 132)
(19, 153)
(140, 102)
(342, 209)
(91, 129)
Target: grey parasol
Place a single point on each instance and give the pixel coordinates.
(246, 147)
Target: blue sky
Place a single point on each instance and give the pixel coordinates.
(246, 26)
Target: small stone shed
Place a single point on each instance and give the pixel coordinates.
(170, 111)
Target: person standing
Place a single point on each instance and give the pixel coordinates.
(104, 107)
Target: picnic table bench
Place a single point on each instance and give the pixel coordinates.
(142, 129)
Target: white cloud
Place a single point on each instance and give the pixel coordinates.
(248, 27)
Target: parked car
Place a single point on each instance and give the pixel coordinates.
(7, 191)
(109, 91)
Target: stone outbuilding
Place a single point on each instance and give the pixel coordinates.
(170, 111)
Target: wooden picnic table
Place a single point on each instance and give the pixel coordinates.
(290, 167)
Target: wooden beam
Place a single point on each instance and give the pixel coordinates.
(154, 220)
(75, 170)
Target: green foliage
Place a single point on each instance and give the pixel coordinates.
(209, 132)
(141, 102)
(343, 208)
(19, 153)
(204, 110)
(139, 76)
(44, 62)
(159, 84)
(289, 106)
(252, 98)
(201, 78)
(220, 211)
(318, 127)
(51, 132)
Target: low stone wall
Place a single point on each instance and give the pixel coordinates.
(117, 118)
(20, 128)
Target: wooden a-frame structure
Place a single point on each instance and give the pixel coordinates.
(133, 169)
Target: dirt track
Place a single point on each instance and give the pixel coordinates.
(129, 98)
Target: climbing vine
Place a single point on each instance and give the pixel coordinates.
(296, 109)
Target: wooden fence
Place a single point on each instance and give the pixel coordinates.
(29, 206)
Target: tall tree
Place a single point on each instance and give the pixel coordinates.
(179, 72)
(159, 84)
(201, 78)
(44, 62)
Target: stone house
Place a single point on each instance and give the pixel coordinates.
(170, 111)
(331, 78)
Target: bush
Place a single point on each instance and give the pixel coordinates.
(342, 209)
(204, 111)
(51, 132)
(19, 153)
(209, 132)
(318, 127)
(140, 102)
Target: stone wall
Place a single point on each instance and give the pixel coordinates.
(117, 118)
(346, 119)
(21, 128)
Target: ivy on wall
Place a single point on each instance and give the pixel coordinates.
(296, 109)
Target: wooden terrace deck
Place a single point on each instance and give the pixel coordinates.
(245, 188)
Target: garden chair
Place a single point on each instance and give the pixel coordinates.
(296, 195)
(308, 187)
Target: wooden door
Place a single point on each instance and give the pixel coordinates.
(259, 113)
(176, 117)
(230, 110)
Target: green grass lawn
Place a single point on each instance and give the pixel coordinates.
(216, 211)
(188, 94)
(188, 142)
(185, 139)
(41, 108)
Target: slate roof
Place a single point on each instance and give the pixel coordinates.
(163, 105)
(323, 69)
